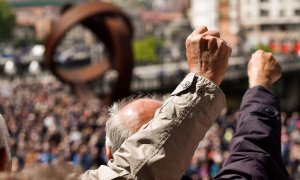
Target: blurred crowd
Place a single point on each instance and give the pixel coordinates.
(48, 124)
(214, 148)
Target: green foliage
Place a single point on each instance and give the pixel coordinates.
(145, 50)
(263, 47)
(7, 20)
(18, 43)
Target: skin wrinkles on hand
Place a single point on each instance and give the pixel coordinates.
(207, 54)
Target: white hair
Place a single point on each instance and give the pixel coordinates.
(116, 132)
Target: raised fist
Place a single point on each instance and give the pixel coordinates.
(207, 54)
(263, 69)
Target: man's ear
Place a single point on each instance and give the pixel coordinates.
(108, 153)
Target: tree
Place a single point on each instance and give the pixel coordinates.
(146, 49)
(7, 20)
(262, 46)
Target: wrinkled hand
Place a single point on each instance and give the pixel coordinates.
(207, 54)
(263, 69)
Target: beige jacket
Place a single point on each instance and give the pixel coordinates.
(163, 148)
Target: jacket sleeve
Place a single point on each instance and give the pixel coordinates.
(163, 148)
(256, 145)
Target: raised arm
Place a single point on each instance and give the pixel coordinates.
(255, 148)
(163, 148)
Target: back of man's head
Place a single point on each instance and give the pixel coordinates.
(126, 118)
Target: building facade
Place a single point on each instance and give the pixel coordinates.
(270, 21)
(221, 15)
(204, 12)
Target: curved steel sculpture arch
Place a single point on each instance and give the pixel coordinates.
(113, 28)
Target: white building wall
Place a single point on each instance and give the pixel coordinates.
(234, 16)
(204, 13)
(279, 11)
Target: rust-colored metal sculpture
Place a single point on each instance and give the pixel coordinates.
(113, 28)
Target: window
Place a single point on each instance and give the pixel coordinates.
(264, 0)
(297, 12)
(281, 13)
(269, 28)
(264, 13)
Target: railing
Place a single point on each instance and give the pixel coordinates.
(168, 75)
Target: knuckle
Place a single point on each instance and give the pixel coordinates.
(269, 55)
(203, 28)
(192, 40)
(260, 51)
(216, 32)
(202, 39)
(223, 45)
(227, 47)
(221, 42)
(189, 41)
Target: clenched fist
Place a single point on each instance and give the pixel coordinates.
(263, 69)
(207, 54)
